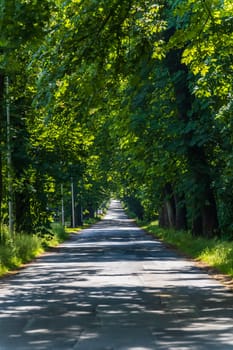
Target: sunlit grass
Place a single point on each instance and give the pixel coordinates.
(17, 250)
(87, 223)
(215, 253)
(20, 248)
(220, 256)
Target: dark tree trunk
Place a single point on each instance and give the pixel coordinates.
(170, 205)
(210, 222)
(181, 212)
(23, 220)
(1, 140)
(173, 214)
(163, 217)
(197, 229)
(91, 210)
(205, 220)
(79, 216)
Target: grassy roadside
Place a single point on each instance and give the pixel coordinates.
(19, 249)
(213, 252)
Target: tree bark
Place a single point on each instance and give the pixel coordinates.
(163, 217)
(205, 222)
(205, 219)
(23, 219)
(1, 140)
(181, 212)
(170, 205)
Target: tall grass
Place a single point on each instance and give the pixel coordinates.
(220, 256)
(16, 250)
(59, 232)
(216, 253)
(21, 248)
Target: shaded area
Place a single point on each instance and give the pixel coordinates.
(113, 287)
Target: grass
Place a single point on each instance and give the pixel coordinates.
(214, 252)
(21, 248)
(17, 250)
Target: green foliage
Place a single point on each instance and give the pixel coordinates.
(7, 260)
(21, 248)
(25, 247)
(123, 97)
(17, 250)
(219, 256)
(59, 232)
(180, 239)
(216, 253)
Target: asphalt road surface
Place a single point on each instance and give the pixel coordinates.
(113, 287)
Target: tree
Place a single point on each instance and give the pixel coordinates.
(131, 97)
(22, 28)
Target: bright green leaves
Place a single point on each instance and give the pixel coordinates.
(209, 44)
(124, 91)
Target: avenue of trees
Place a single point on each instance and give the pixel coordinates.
(126, 97)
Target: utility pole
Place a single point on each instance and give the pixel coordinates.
(62, 206)
(73, 202)
(9, 160)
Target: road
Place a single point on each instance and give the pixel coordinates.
(113, 287)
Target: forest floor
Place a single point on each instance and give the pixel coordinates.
(114, 287)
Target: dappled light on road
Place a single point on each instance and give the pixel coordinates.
(114, 287)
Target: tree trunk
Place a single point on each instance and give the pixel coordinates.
(23, 219)
(181, 212)
(170, 205)
(78, 213)
(1, 140)
(205, 220)
(163, 217)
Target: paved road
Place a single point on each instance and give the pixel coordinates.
(114, 288)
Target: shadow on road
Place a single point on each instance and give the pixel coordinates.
(113, 287)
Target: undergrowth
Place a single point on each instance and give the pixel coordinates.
(20, 248)
(214, 252)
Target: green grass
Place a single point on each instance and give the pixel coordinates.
(215, 253)
(21, 248)
(220, 256)
(86, 223)
(17, 250)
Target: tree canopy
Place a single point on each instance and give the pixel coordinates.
(124, 98)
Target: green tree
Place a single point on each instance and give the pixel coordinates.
(22, 27)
